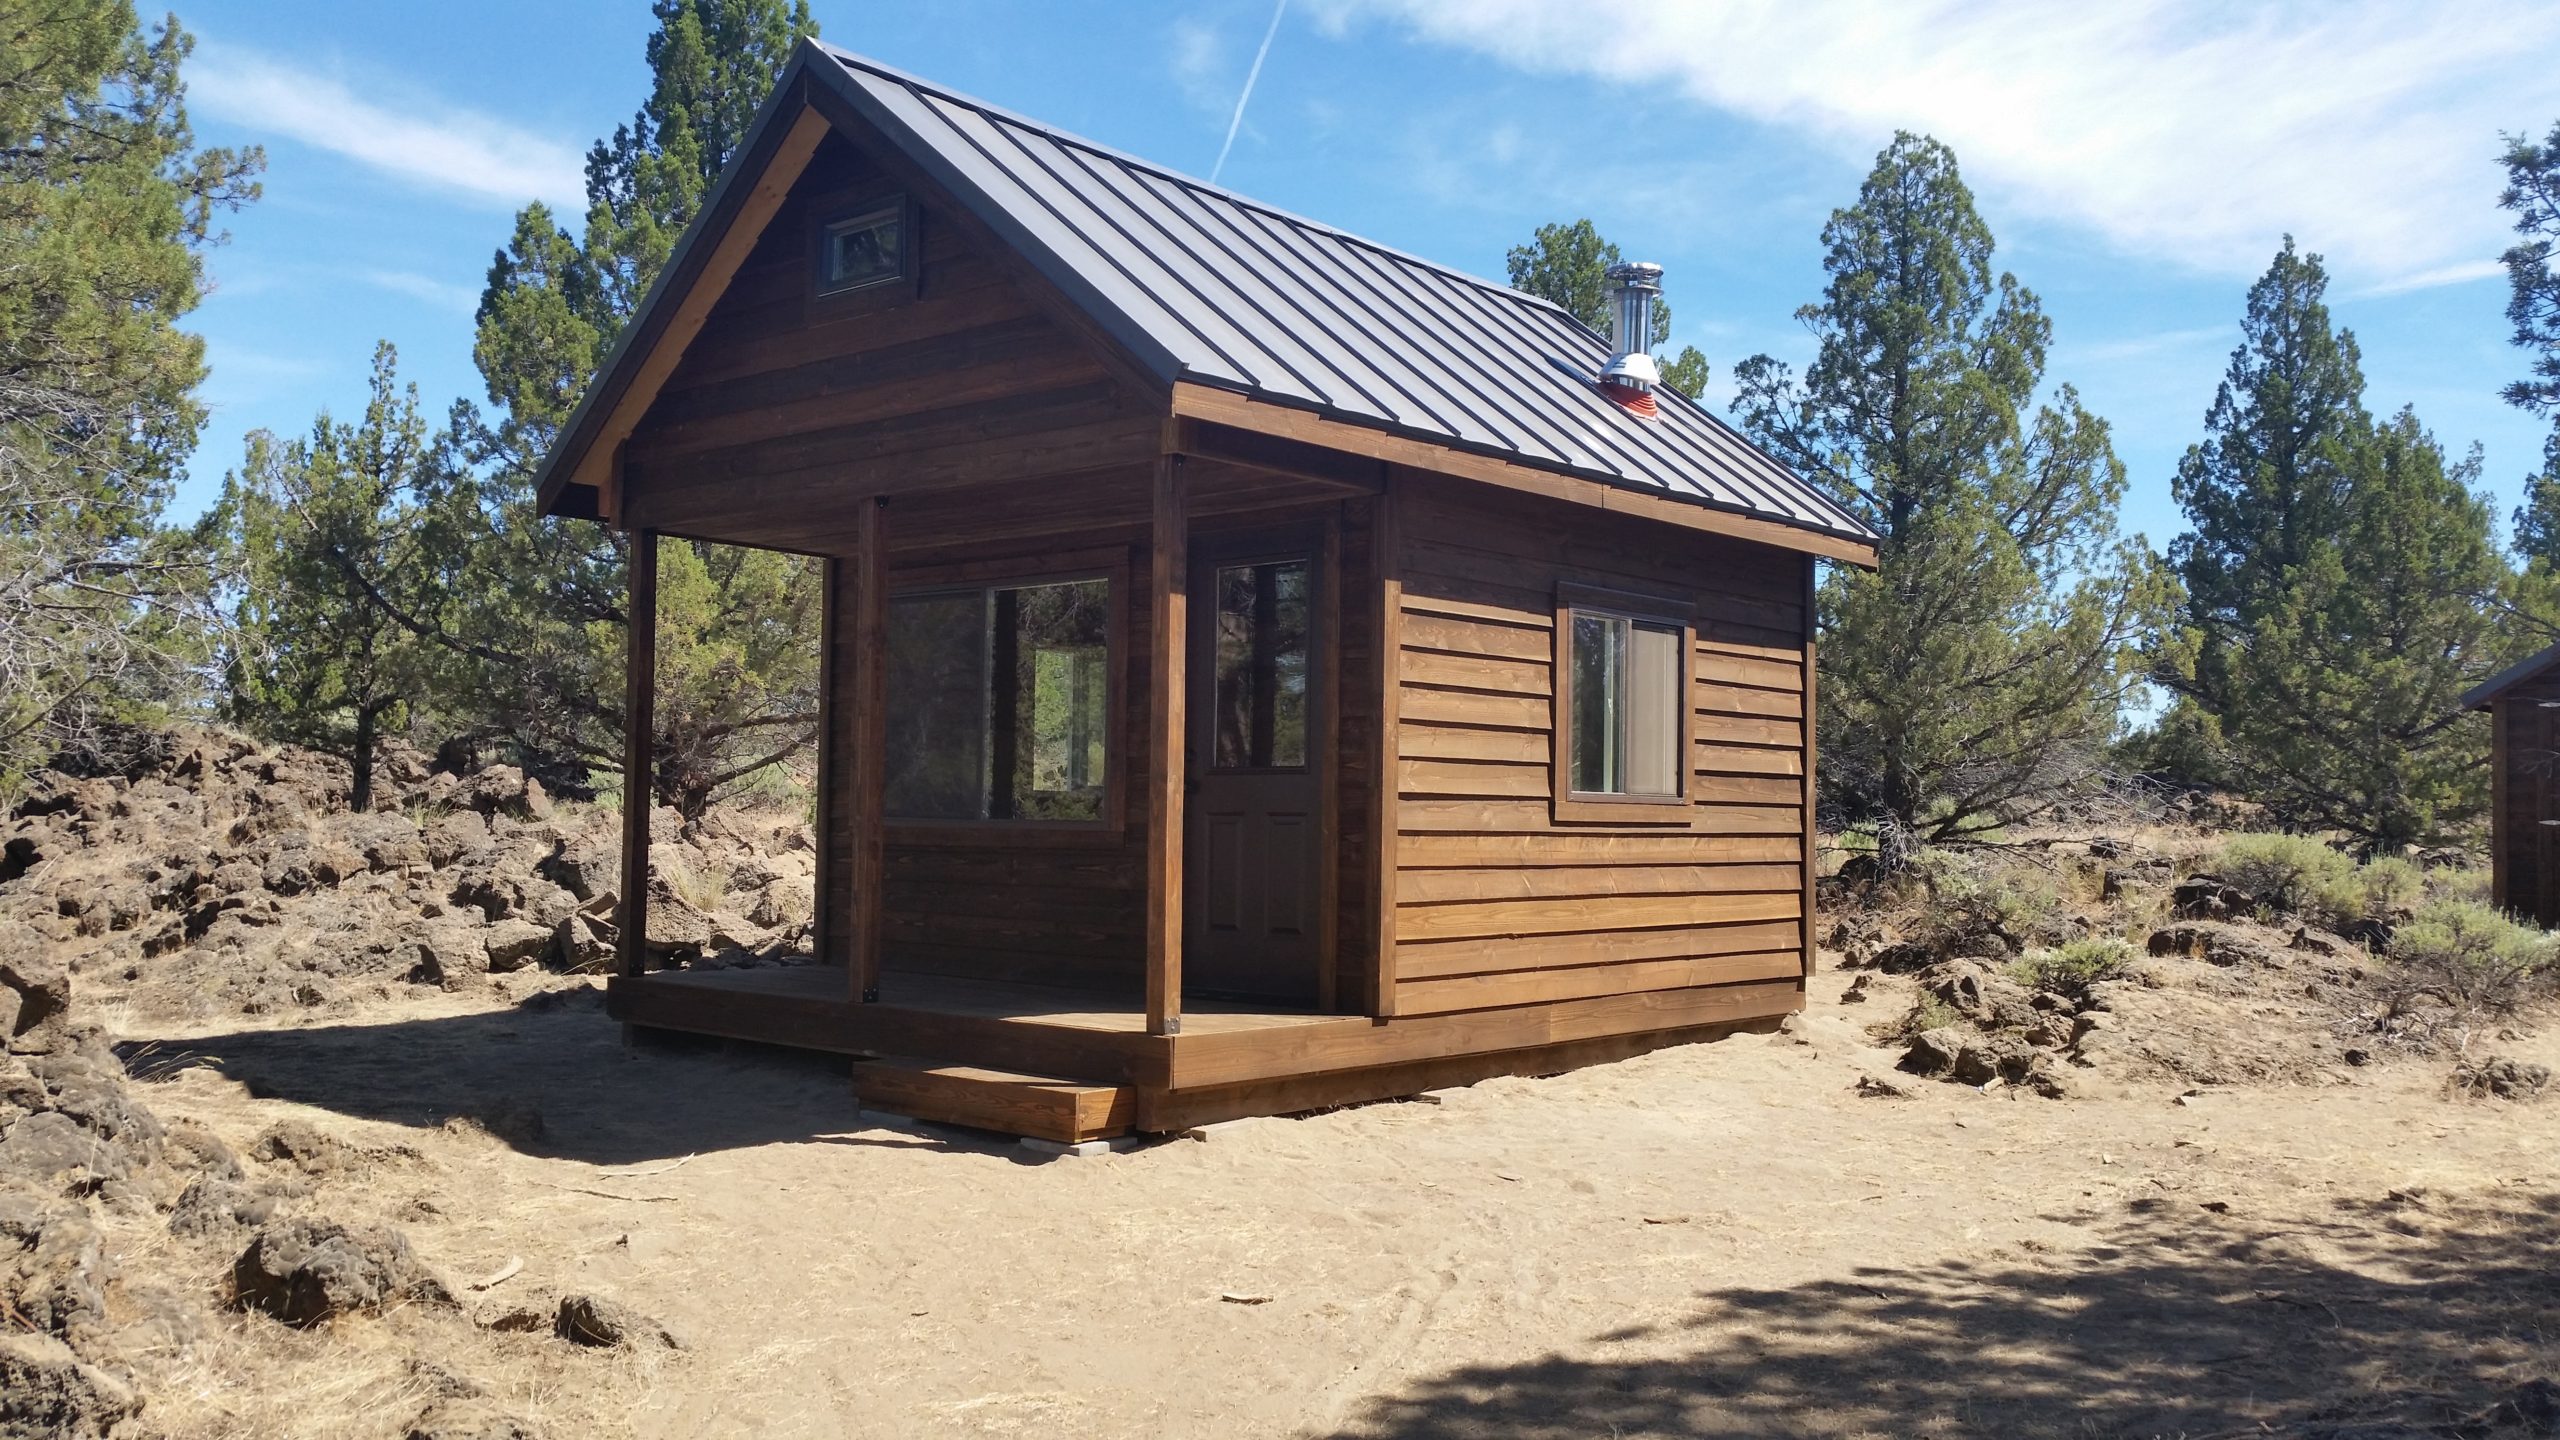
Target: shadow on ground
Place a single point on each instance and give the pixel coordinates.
(600, 1100)
(2398, 1318)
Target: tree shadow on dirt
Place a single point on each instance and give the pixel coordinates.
(2403, 1317)
(599, 1099)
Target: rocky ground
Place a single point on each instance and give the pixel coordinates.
(310, 1126)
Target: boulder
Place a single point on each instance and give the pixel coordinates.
(47, 1144)
(386, 840)
(55, 1280)
(35, 999)
(585, 944)
(585, 867)
(455, 836)
(2206, 897)
(212, 1208)
(514, 944)
(451, 954)
(305, 1271)
(1933, 1052)
(595, 1320)
(46, 1391)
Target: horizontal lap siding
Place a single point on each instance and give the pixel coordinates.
(789, 409)
(1497, 902)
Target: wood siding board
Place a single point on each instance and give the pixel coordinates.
(1525, 987)
(1442, 959)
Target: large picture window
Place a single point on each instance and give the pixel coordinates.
(1000, 702)
(1622, 711)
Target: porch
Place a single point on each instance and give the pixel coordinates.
(1069, 1065)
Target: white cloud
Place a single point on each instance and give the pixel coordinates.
(2186, 129)
(441, 294)
(406, 137)
(1200, 65)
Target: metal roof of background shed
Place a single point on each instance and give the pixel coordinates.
(1201, 284)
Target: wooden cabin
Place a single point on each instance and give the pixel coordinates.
(1262, 669)
(2523, 702)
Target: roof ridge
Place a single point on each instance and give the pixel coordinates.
(851, 60)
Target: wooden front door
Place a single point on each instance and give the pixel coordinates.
(1251, 843)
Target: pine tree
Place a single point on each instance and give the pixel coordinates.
(106, 209)
(1569, 264)
(2270, 482)
(2343, 711)
(319, 526)
(1973, 679)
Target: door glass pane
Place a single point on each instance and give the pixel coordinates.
(1052, 699)
(1599, 702)
(1654, 695)
(937, 692)
(1259, 654)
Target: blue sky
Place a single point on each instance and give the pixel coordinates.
(2138, 162)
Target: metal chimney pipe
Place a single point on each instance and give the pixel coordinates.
(1633, 284)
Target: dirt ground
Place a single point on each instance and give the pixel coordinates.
(1721, 1240)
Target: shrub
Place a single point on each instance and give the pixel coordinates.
(1972, 892)
(2471, 958)
(2391, 883)
(1931, 1013)
(2295, 874)
(2466, 883)
(2071, 969)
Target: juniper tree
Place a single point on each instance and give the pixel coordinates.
(2270, 480)
(2342, 709)
(531, 610)
(2340, 579)
(1569, 264)
(1973, 679)
(325, 532)
(106, 209)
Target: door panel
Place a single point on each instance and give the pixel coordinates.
(1250, 854)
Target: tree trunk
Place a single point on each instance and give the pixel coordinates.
(360, 797)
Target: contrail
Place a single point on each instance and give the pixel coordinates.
(1236, 122)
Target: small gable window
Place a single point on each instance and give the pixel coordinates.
(872, 247)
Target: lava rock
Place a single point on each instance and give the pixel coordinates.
(47, 1391)
(306, 1271)
(596, 1321)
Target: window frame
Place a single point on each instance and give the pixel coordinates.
(1109, 565)
(1675, 808)
(904, 283)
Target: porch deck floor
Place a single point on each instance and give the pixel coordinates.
(985, 999)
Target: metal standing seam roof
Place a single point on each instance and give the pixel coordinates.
(1204, 285)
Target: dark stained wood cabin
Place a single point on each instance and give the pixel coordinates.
(1262, 669)
(2523, 702)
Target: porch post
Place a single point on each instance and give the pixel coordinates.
(867, 697)
(1168, 653)
(639, 735)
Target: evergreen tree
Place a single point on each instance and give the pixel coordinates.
(1569, 264)
(318, 526)
(1974, 678)
(2346, 714)
(106, 209)
(2270, 482)
(2533, 299)
(2533, 307)
(531, 610)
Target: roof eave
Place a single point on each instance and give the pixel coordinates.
(2480, 696)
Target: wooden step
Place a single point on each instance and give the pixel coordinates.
(1040, 1106)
